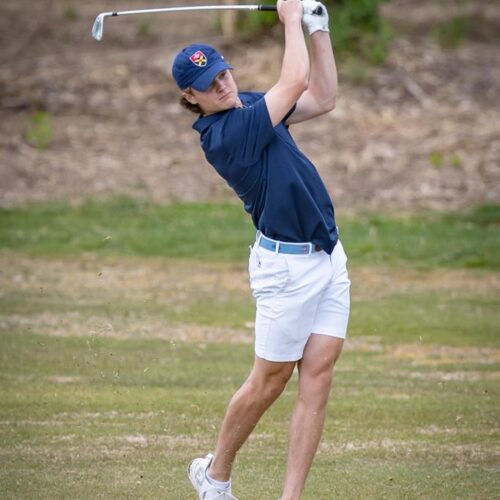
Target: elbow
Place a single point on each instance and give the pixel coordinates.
(300, 85)
(324, 101)
(296, 87)
(330, 104)
(301, 79)
(304, 83)
(293, 88)
(327, 104)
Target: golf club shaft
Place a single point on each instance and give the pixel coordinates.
(98, 28)
(193, 7)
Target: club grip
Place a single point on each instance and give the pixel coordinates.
(268, 7)
(317, 11)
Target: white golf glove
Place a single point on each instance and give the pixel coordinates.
(314, 22)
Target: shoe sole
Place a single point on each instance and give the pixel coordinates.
(191, 479)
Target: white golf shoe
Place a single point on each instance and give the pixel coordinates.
(197, 473)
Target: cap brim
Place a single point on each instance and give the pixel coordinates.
(204, 81)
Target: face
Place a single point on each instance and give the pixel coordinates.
(220, 96)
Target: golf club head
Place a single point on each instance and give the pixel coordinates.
(98, 28)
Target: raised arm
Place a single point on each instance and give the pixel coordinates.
(321, 93)
(295, 67)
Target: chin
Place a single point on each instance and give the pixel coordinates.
(232, 102)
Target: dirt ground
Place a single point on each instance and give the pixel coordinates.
(421, 131)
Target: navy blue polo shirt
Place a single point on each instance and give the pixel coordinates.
(278, 185)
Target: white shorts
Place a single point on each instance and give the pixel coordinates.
(297, 295)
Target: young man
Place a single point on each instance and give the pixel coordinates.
(297, 265)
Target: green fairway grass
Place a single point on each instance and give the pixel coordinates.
(125, 226)
(125, 328)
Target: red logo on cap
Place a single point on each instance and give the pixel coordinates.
(199, 59)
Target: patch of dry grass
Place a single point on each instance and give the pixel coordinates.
(79, 296)
(114, 374)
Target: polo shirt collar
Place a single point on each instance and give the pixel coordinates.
(204, 122)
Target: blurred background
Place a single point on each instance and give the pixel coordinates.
(126, 320)
(417, 123)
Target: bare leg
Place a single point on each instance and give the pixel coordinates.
(262, 387)
(315, 376)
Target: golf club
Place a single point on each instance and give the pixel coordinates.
(98, 28)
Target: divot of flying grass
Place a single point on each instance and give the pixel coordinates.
(120, 346)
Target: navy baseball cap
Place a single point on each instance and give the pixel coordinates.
(197, 65)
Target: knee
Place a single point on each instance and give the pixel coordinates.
(321, 382)
(275, 387)
(315, 388)
(269, 388)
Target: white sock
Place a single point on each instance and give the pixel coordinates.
(221, 485)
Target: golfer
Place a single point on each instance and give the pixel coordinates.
(297, 265)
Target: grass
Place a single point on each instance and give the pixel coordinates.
(83, 415)
(453, 32)
(123, 226)
(135, 422)
(118, 356)
(40, 131)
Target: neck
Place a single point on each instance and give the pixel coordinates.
(238, 104)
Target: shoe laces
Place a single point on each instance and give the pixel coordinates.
(225, 495)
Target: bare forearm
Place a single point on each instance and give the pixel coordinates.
(320, 96)
(323, 81)
(295, 67)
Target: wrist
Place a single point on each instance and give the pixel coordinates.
(296, 20)
(320, 29)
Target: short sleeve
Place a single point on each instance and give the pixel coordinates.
(247, 131)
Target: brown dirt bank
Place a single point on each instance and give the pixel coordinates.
(423, 130)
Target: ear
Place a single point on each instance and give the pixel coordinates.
(190, 97)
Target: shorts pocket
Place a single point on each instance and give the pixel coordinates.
(268, 273)
(342, 251)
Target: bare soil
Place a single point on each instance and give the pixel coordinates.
(420, 131)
